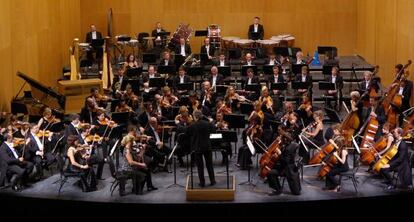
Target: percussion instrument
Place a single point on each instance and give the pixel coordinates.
(285, 37)
(214, 33)
(268, 45)
(244, 43)
(183, 31)
(228, 42)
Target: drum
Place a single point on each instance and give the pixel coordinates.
(244, 43)
(228, 42)
(214, 34)
(268, 45)
(291, 41)
(133, 42)
(285, 37)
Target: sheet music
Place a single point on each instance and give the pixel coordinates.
(216, 136)
(250, 145)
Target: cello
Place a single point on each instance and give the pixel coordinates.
(324, 152)
(386, 158)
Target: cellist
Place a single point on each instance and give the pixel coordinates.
(399, 163)
(341, 155)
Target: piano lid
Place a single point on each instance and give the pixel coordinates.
(44, 94)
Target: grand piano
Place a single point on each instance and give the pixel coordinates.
(41, 96)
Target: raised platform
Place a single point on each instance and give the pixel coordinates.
(221, 191)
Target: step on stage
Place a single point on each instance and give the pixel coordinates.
(223, 190)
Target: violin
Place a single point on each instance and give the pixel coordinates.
(43, 133)
(93, 138)
(107, 122)
(18, 142)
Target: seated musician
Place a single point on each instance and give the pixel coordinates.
(183, 117)
(47, 120)
(266, 101)
(285, 166)
(222, 61)
(248, 60)
(193, 102)
(166, 59)
(89, 111)
(181, 78)
(225, 147)
(152, 73)
(354, 101)
(386, 133)
(305, 109)
(208, 49)
(182, 120)
(123, 107)
(341, 155)
(93, 34)
(399, 163)
(78, 163)
(24, 130)
(374, 110)
(168, 100)
(158, 150)
(255, 132)
(37, 149)
(159, 34)
(14, 164)
(250, 78)
(183, 48)
(275, 78)
(98, 99)
(130, 98)
(299, 58)
(312, 136)
(215, 77)
(118, 81)
(143, 118)
(305, 77)
(369, 82)
(132, 62)
(134, 164)
(256, 30)
(335, 78)
(207, 99)
(272, 60)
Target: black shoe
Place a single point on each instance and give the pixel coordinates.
(152, 188)
(212, 183)
(122, 193)
(390, 188)
(16, 188)
(100, 178)
(328, 188)
(201, 184)
(275, 193)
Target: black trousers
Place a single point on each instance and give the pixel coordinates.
(138, 180)
(386, 173)
(331, 181)
(40, 163)
(21, 171)
(292, 177)
(87, 177)
(208, 157)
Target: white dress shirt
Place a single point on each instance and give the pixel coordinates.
(303, 78)
(166, 62)
(10, 145)
(272, 62)
(181, 79)
(208, 49)
(222, 63)
(366, 84)
(299, 61)
(249, 63)
(94, 35)
(400, 92)
(256, 27)
(249, 81)
(157, 137)
(275, 78)
(333, 79)
(182, 50)
(214, 80)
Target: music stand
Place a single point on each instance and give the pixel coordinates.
(195, 70)
(97, 43)
(134, 72)
(282, 51)
(179, 138)
(235, 121)
(200, 33)
(224, 70)
(120, 117)
(179, 60)
(246, 67)
(56, 127)
(326, 86)
(333, 115)
(297, 68)
(185, 86)
(157, 82)
(279, 86)
(204, 58)
(327, 69)
(300, 85)
(170, 69)
(234, 53)
(253, 152)
(255, 35)
(268, 69)
(253, 87)
(150, 58)
(230, 136)
(246, 108)
(221, 89)
(134, 85)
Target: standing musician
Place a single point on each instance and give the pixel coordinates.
(47, 120)
(183, 48)
(199, 133)
(93, 34)
(159, 34)
(256, 30)
(368, 82)
(208, 49)
(78, 163)
(181, 78)
(285, 166)
(341, 155)
(37, 144)
(399, 163)
(305, 77)
(314, 133)
(335, 78)
(13, 163)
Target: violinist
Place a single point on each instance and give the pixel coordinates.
(183, 120)
(130, 98)
(399, 163)
(266, 101)
(47, 120)
(78, 164)
(194, 103)
(341, 155)
(38, 143)
(104, 126)
(285, 166)
(207, 99)
(313, 135)
(167, 102)
(225, 147)
(223, 107)
(157, 149)
(305, 109)
(98, 99)
(23, 131)
(14, 164)
(143, 118)
(123, 107)
(89, 111)
(74, 126)
(336, 79)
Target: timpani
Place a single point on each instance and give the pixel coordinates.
(268, 45)
(228, 42)
(244, 43)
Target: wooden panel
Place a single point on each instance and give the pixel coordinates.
(34, 39)
(321, 22)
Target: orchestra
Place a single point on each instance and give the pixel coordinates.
(286, 134)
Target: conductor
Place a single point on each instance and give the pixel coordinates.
(199, 133)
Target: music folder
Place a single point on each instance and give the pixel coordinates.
(253, 87)
(134, 85)
(297, 68)
(195, 70)
(221, 89)
(300, 85)
(279, 86)
(250, 146)
(326, 86)
(185, 86)
(246, 67)
(327, 69)
(149, 58)
(224, 70)
(134, 72)
(157, 82)
(97, 42)
(255, 35)
(199, 33)
(268, 69)
(235, 121)
(170, 69)
(120, 117)
(283, 51)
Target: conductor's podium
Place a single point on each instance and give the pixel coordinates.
(221, 191)
(76, 92)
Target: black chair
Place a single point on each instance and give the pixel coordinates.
(396, 176)
(115, 174)
(64, 175)
(350, 174)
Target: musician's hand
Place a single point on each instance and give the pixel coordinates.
(386, 166)
(141, 129)
(21, 159)
(27, 141)
(373, 114)
(323, 163)
(278, 152)
(85, 167)
(394, 84)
